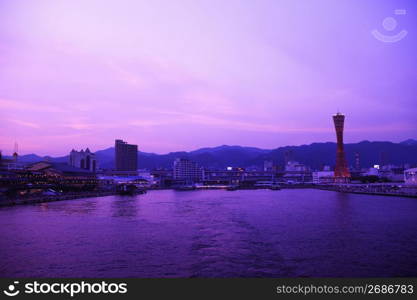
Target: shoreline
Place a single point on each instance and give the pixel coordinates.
(44, 199)
(333, 188)
(370, 191)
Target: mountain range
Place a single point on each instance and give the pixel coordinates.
(314, 155)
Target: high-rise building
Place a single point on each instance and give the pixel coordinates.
(341, 171)
(83, 159)
(187, 170)
(126, 156)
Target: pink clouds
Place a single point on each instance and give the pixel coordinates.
(178, 75)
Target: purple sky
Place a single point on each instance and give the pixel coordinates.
(179, 75)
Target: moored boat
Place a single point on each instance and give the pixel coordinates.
(129, 189)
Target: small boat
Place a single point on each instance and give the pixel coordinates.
(130, 189)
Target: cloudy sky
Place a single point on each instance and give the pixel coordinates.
(174, 75)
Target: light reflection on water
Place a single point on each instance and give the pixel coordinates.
(214, 233)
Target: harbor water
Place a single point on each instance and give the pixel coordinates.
(212, 233)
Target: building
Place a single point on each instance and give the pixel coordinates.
(143, 178)
(373, 171)
(295, 166)
(323, 177)
(296, 172)
(341, 172)
(187, 170)
(268, 165)
(126, 156)
(60, 170)
(162, 177)
(240, 176)
(85, 160)
(410, 176)
(59, 177)
(11, 163)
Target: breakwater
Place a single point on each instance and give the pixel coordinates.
(51, 198)
(373, 189)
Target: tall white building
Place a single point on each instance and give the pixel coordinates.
(185, 169)
(83, 159)
(323, 177)
(294, 171)
(295, 166)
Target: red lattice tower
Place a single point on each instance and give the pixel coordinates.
(341, 171)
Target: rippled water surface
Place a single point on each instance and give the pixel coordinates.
(214, 233)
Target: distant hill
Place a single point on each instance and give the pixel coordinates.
(314, 155)
(409, 142)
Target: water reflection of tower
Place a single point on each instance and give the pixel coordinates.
(341, 172)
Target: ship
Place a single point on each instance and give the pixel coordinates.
(129, 189)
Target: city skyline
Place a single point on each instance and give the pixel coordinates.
(9, 152)
(262, 74)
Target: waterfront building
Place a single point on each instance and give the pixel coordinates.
(126, 156)
(162, 177)
(297, 172)
(295, 166)
(410, 176)
(240, 176)
(146, 175)
(59, 170)
(323, 177)
(341, 171)
(392, 173)
(373, 171)
(185, 169)
(143, 177)
(115, 173)
(85, 160)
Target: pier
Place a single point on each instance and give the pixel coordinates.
(381, 189)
